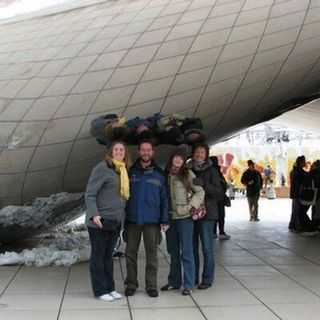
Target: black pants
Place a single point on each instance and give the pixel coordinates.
(221, 219)
(253, 201)
(101, 263)
(300, 220)
(316, 214)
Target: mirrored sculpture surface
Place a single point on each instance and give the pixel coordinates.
(231, 63)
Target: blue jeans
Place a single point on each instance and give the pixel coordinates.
(203, 231)
(180, 248)
(101, 262)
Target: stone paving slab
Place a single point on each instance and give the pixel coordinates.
(257, 277)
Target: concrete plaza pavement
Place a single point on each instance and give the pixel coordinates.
(264, 272)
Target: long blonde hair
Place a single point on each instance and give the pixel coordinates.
(108, 156)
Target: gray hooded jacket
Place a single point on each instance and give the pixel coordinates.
(103, 195)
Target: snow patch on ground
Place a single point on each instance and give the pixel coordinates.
(65, 246)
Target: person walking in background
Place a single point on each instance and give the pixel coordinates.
(231, 189)
(220, 223)
(270, 191)
(252, 179)
(315, 174)
(184, 195)
(268, 173)
(269, 182)
(208, 177)
(106, 195)
(147, 214)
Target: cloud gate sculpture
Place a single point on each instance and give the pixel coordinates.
(233, 63)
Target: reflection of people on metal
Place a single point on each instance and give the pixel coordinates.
(160, 129)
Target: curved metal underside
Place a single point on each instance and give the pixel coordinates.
(305, 118)
(233, 63)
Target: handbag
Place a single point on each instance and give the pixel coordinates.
(111, 225)
(198, 213)
(308, 195)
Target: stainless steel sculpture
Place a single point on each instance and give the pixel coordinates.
(233, 63)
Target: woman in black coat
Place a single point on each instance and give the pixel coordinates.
(315, 175)
(208, 177)
(221, 204)
(300, 221)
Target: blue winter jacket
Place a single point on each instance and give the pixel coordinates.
(148, 203)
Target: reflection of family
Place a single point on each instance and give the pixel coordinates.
(182, 201)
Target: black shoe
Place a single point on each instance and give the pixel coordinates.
(167, 287)
(129, 292)
(204, 286)
(118, 254)
(186, 292)
(224, 236)
(153, 293)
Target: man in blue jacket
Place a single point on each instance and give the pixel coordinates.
(147, 214)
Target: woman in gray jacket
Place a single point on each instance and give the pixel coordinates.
(106, 195)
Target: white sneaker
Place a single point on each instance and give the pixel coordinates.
(115, 295)
(106, 297)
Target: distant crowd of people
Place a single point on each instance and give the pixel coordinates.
(304, 192)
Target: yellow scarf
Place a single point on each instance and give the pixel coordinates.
(124, 178)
